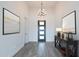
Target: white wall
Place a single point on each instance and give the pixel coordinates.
(63, 8)
(50, 23)
(10, 44)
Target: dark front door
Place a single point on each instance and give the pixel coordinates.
(41, 30)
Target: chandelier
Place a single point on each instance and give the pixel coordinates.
(42, 11)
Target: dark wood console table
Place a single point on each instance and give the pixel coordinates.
(67, 47)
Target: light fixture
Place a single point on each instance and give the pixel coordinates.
(58, 29)
(42, 11)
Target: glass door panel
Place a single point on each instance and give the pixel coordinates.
(41, 32)
(41, 23)
(41, 37)
(41, 27)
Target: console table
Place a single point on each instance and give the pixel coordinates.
(67, 47)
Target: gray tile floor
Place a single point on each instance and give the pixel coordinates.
(35, 49)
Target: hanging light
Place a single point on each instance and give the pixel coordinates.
(42, 11)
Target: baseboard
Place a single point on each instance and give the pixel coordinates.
(26, 43)
(20, 49)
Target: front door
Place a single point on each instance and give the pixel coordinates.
(41, 30)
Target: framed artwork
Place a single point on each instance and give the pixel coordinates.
(69, 23)
(11, 22)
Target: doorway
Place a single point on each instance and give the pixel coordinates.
(41, 30)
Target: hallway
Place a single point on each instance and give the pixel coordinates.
(39, 49)
(24, 25)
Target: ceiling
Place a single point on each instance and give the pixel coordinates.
(38, 3)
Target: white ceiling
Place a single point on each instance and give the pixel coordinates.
(38, 3)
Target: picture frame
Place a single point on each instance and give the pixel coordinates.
(70, 21)
(11, 22)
